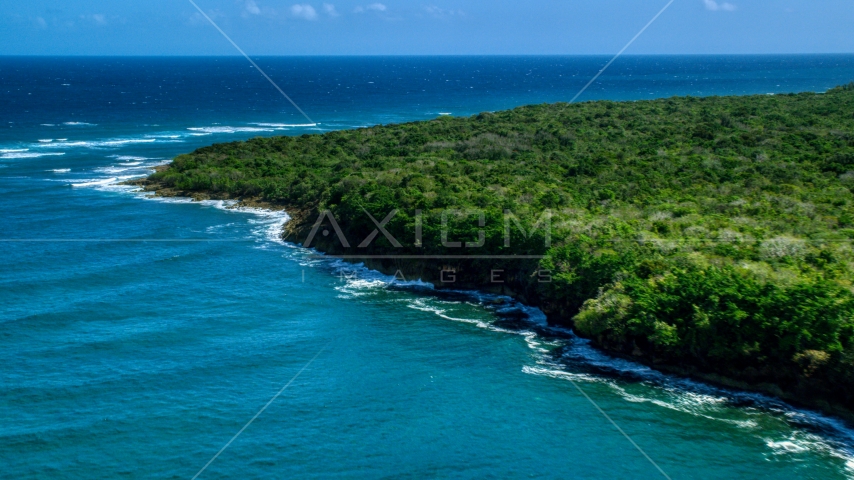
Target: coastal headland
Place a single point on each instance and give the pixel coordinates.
(708, 237)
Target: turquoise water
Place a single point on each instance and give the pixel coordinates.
(139, 335)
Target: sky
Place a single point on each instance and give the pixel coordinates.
(428, 27)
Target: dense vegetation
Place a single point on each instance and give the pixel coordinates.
(710, 234)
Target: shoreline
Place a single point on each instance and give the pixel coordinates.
(700, 236)
(554, 320)
(712, 379)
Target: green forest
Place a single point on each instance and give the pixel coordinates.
(713, 235)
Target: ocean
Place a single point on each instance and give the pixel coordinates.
(139, 335)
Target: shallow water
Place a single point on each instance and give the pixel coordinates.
(139, 335)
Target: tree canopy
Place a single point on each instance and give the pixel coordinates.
(711, 233)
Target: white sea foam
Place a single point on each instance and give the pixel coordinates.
(580, 350)
(65, 145)
(117, 143)
(211, 130)
(46, 140)
(360, 287)
(14, 150)
(114, 183)
(534, 342)
(30, 155)
(115, 170)
(361, 281)
(695, 404)
(785, 446)
(80, 124)
(130, 158)
(711, 403)
(218, 228)
(564, 375)
(96, 182)
(97, 143)
(799, 443)
(177, 200)
(687, 402)
(286, 125)
(270, 223)
(170, 136)
(424, 305)
(693, 397)
(60, 170)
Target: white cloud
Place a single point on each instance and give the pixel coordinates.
(40, 22)
(252, 7)
(715, 6)
(330, 10)
(441, 12)
(97, 18)
(376, 7)
(304, 11)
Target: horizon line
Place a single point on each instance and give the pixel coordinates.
(461, 55)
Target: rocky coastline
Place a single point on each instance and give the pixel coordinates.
(302, 220)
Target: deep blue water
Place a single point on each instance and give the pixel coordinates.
(139, 335)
